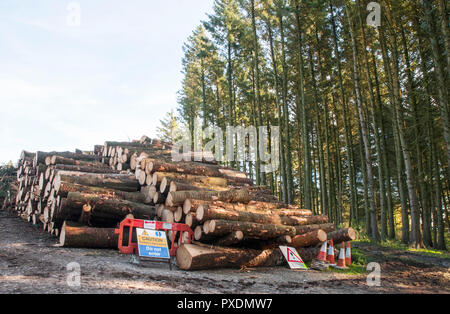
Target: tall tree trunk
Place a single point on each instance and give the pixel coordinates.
(418, 150)
(287, 138)
(416, 235)
(364, 133)
(260, 178)
(376, 135)
(398, 153)
(280, 123)
(348, 144)
(302, 113)
(442, 78)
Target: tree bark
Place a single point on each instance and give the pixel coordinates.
(109, 207)
(78, 236)
(250, 230)
(343, 235)
(87, 169)
(125, 183)
(65, 188)
(196, 257)
(309, 228)
(232, 239)
(208, 212)
(309, 239)
(232, 196)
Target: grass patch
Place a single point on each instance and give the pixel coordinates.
(358, 267)
(352, 270)
(397, 245)
(359, 264)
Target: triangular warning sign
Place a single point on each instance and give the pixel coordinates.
(292, 257)
(144, 233)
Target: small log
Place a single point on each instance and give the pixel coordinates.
(200, 235)
(190, 220)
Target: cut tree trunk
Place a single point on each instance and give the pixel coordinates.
(78, 236)
(309, 239)
(110, 208)
(250, 230)
(206, 212)
(256, 207)
(232, 239)
(110, 181)
(343, 235)
(232, 196)
(58, 160)
(198, 169)
(41, 156)
(65, 188)
(192, 179)
(309, 228)
(198, 257)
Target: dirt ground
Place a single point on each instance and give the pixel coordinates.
(32, 262)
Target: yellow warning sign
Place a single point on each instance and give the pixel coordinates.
(152, 240)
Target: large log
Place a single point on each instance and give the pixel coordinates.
(110, 208)
(110, 181)
(199, 169)
(232, 196)
(211, 212)
(41, 156)
(309, 239)
(309, 228)
(87, 169)
(174, 186)
(58, 160)
(343, 235)
(256, 207)
(250, 230)
(197, 257)
(66, 187)
(272, 206)
(191, 221)
(77, 236)
(199, 181)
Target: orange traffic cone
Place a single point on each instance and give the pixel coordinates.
(330, 258)
(323, 253)
(341, 261)
(348, 254)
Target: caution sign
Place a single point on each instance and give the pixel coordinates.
(152, 243)
(293, 258)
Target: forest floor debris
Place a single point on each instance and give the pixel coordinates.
(35, 264)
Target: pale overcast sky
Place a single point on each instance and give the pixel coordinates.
(113, 77)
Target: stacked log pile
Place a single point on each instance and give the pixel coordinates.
(77, 197)
(82, 196)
